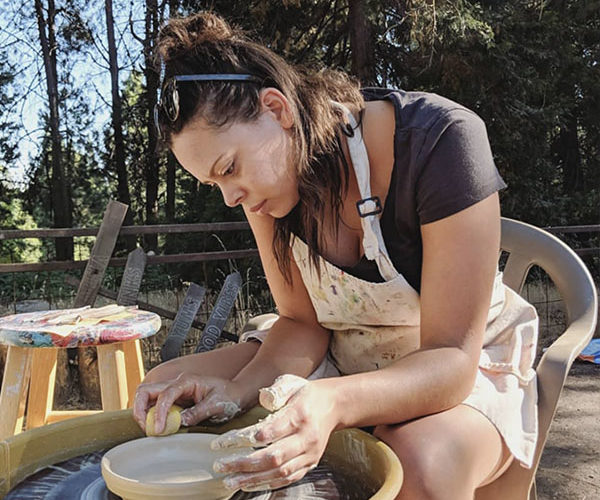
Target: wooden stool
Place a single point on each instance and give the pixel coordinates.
(30, 370)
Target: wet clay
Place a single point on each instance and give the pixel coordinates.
(277, 395)
(177, 466)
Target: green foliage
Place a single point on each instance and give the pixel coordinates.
(135, 135)
(529, 69)
(8, 145)
(12, 216)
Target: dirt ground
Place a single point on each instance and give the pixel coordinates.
(570, 465)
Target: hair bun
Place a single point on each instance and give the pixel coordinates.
(182, 35)
(207, 27)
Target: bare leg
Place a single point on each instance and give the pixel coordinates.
(225, 362)
(446, 455)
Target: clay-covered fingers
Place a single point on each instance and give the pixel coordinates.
(279, 393)
(165, 400)
(144, 399)
(295, 438)
(216, 406)
(237, 438)
(269, 468)
(273, 428)
(260, 460)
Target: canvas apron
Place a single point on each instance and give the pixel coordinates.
(374, 324)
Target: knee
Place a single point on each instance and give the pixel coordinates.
(430, 473)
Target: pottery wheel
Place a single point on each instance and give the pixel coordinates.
(80, 478)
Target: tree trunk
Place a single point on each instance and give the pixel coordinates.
(117, 123)
(171, 239)
(570, 156)
(173, 8)
(152, 82)
(361, 44)
(170, 207)
(60, 197)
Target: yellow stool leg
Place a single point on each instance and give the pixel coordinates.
(14, 390)
(113, 377)
(134, 366)
(41, 386)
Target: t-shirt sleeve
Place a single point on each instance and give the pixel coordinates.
(455, 167)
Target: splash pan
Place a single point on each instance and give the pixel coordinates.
(60, 461)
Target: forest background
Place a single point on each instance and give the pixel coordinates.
(78, 84)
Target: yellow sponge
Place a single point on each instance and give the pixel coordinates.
(172, 425)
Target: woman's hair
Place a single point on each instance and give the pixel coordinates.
(205, 43)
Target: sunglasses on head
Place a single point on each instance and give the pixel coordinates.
(169, 95)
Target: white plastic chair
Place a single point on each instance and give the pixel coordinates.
(528, 246)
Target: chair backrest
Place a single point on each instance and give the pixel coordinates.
(530, 246)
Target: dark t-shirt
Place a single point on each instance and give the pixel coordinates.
(442, 164)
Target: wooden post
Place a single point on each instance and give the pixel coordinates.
(14, 390)
(102, 250)
(128, 294)
(93, 275)
(134, 367)
(113, 382)
(43, 372)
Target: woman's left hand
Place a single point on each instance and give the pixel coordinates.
(294, 438)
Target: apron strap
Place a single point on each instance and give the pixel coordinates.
(369, 207)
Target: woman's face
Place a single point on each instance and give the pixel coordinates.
(249, 162)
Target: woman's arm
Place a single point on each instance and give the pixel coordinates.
(460, 255)
(296, 342)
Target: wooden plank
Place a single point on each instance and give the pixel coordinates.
(203, 227)
(128, 293)
(5, 470)
(60, 415)
(86, 295)
(41, 388)
(120, 261)
(14, 390)
(101, 252)
(113, 376)
(134, 367)
(165, 313)
(202, 256)
(220, 313)
(183, 322)
(132, 278)
(200, 227)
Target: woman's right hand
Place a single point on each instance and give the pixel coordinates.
(202, 397)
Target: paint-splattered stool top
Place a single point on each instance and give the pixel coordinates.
(84, 326)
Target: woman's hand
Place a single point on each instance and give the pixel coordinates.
(203, 397)
(295, 438)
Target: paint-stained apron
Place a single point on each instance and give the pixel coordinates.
(374, 324)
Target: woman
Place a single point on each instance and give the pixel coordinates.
(376, 216)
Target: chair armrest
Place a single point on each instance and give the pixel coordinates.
(261, 322)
